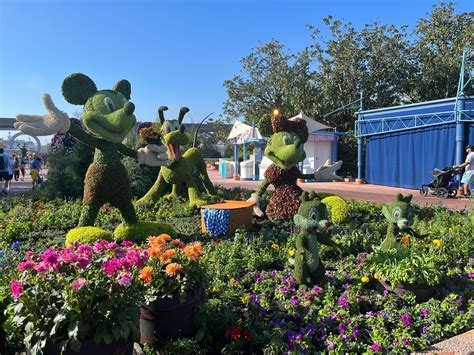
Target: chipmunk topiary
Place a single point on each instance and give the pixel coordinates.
(107, 117)
(285, 149)
(399, 215)
(183, 167)
(312, 219)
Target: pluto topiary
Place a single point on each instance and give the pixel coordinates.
(184, 167)
(107, 118)
(87, 235)
(139, 232)
(338, 208)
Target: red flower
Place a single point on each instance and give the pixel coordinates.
(237, 333)
(233, 333)
(217, 241)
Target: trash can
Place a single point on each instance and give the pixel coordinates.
(262, 167)
(227, 169)
(246, 170)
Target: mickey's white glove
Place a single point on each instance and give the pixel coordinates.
(153, 155)
(55, 121)
(256, 209)
(327, 171)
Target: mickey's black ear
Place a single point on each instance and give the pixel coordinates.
(123, 86)
(78, 88)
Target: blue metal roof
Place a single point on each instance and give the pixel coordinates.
(413, 116)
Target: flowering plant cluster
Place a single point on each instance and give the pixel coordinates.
(66, 141)
(67, 295)
(150, 134)
(405, 265)
(173, 269)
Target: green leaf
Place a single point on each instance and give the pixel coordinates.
(73, 329)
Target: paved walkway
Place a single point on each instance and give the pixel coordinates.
(19, 187)
(348, 190)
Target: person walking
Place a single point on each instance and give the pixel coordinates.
(468, 165)
(23, 162)
(16, 166)
(35, 166)
(6, 171)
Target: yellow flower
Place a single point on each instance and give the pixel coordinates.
(405, 240)
(275, 246)
(438, 243)
(376, 276)
(232, 280)
(291, 252)
(245, 299)
(215, 289)
(364, 279)
(364, 241)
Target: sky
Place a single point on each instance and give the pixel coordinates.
(174, 53)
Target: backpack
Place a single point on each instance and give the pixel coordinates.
(2, 162)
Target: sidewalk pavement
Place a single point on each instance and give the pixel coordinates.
(351, 190)
(347, 190)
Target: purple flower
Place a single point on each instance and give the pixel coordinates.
(343, 301)
(385, 293)
(406, 341)
(50, 258)
(330, 345)
(406, 320)
(425, 312)
(470, 275)
(376, 347)
(294, 300)
(355, 333)
(342, 328)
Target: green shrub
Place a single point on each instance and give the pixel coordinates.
(87, 235)
(140, 231)
(338, 207)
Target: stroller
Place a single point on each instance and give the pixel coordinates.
(443, 184)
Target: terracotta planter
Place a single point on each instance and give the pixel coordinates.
(89, 347)
(168, 318)
(422, 292)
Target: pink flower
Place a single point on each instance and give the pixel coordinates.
(111, 245)
(124, 279)
(26, 265)
(111, 266)
(83, 262)
(100, 246)
(78, 283)
(127, 243)
(28, 255)
(41, 267)
(50, 258)
(17, 289)
(85, 249)
(137, 257)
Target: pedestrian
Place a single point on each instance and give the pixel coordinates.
(6, 171)
(35, 166)
(23, 162)
(468, 165)
(16, 166)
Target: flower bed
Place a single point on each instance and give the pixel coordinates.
(252, 303)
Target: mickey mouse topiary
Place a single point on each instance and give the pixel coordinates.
(107, 117)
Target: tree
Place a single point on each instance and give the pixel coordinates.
(271, 77)
(441, 38)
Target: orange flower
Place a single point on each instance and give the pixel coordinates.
(405, 240)
(173, 269)
(167, 255)
(178, 243)
(194, 251)
(145, 274)
(155, 252)
(164, 237)
(156, 242)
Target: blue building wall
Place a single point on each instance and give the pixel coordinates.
(404, 144)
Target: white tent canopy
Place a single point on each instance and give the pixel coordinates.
(312, 124)
(241, 132)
